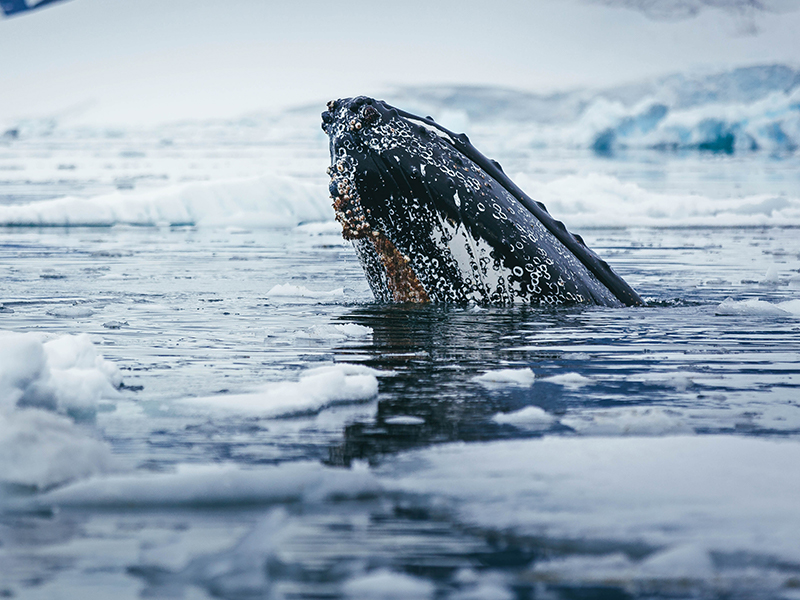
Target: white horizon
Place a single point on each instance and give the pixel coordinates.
(133, 63)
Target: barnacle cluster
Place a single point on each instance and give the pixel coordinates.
(346, 200)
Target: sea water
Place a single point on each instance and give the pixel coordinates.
(200, 398)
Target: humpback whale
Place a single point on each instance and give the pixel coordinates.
(432, 219)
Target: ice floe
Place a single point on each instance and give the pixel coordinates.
(59, 373)
(719, 495)
(316, 389)
(289, 291)
(40, 375)
(236, 572)
(530, 417)
(758, 308)
(383, 584)
(217, 485)
(265, 201)
(506, 377)
(569, 380)
(41, 449)
(636, 420)
(336, 332)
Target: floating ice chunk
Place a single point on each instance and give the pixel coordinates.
(217, 485)
(321, 228)
(569, 380)
(721, 493)
(316, 389)
(506, 377)
(404, 420)
(354, 330)
(75, 311)
(530, 417)
(628, 421)
(287, 290)
(679, 381)
(242, 570)
(771, 276)
(673, 568)
(42, 449)
(487, 586)
(339, 331)
(384, 584)
(64, 373)
(791, 306)
(115, 324)
(760, 308)
(236, 572)
(584, 569)
(690, 561)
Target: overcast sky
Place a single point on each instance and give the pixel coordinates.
(143, 61)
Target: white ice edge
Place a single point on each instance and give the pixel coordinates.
(217, 484)
(255, 202)
(315, 390)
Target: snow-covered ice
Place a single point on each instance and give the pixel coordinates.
(506, 377)
(41, 375)
(264, 201)
(714, 494)
(530, 417)
(216, 485)
(56, 372)
(316, 389)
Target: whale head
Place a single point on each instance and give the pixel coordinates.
(432, 219)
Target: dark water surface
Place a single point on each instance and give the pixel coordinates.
(188, 312)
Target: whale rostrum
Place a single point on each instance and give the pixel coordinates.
(432, 219)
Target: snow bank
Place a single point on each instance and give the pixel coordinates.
(708, 495)
(506, 377)
(267, 201)
(599, 200)
(217, 485)
(316, 389)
